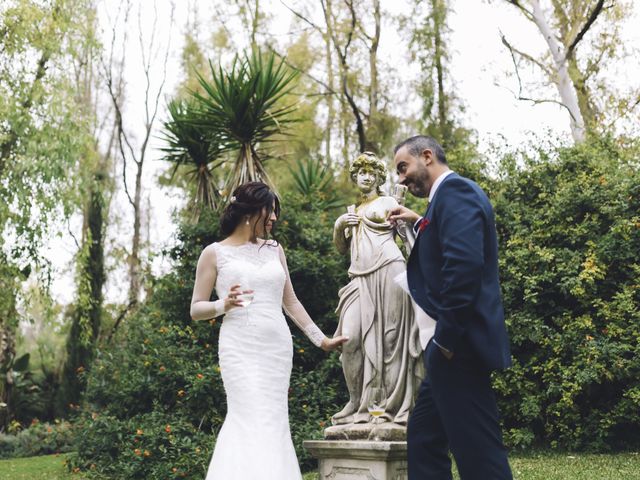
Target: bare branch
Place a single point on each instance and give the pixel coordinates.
(151, 120)
(124, 162)
(513, 51)
(519, 95)
(354, 19)
(230, 35)
(72, 235)
(526, 12)
(115, 93)
(344, 68)
(127, 308)
(330, 91)
(538, 101)
(590, 21)
(303, 18)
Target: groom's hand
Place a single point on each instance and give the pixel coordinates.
(401, 213)
(447, 354)
(330, 344)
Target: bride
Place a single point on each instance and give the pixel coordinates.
(250, 275)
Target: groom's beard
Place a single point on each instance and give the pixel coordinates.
(418, 184)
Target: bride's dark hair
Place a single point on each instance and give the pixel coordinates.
(247, 200)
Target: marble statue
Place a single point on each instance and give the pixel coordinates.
(384, 352)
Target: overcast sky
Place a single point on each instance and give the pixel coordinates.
(479, 65)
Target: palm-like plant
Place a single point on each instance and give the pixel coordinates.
(243, 108)
(315, 182)
(188, 143)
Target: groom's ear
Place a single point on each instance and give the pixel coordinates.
(427, 157)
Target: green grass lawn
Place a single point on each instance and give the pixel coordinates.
(50, 467)
(544, 466)
(552, 466)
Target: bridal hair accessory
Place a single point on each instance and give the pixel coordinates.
(232, 199)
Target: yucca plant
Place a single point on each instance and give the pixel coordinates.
(188, 143)
(243, 107)
(315, 182)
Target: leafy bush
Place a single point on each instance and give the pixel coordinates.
(569, 227)
(38, 439)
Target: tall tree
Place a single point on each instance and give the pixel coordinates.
(153, 52)
(43, 133)
(86, 316)
(430, 47)
(351, 32)
(429, 44)
(566, 26)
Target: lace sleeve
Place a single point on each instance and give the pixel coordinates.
(294, 309)
(206, 273)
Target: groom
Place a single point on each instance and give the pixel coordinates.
(453, 276)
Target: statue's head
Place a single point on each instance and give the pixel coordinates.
(369, 162)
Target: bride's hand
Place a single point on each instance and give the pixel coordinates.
(232, 298)
(330, 344)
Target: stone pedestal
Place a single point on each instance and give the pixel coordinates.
(386, 431)
(359, 459)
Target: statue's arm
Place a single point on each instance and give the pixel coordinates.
(340, 239)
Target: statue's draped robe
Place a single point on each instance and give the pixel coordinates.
(390, 339)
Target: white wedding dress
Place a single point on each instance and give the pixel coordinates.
(256, 353)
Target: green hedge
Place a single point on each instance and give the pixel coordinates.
(569, 227)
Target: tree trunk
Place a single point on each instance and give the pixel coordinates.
(330, 100)
(134, 257)
(344, 71)
(563, 81)
(582, 91)
(86, 319)
(373, 62)
(437, 9)
(7, 353)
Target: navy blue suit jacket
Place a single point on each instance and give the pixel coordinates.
(453, 273)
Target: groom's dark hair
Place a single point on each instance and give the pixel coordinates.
(419, 143)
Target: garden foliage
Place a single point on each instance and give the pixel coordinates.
(38, 439)
(569, 229)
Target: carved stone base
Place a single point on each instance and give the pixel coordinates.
(359, 460)
(387, 431)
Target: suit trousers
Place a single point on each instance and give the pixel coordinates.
(455, 410)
